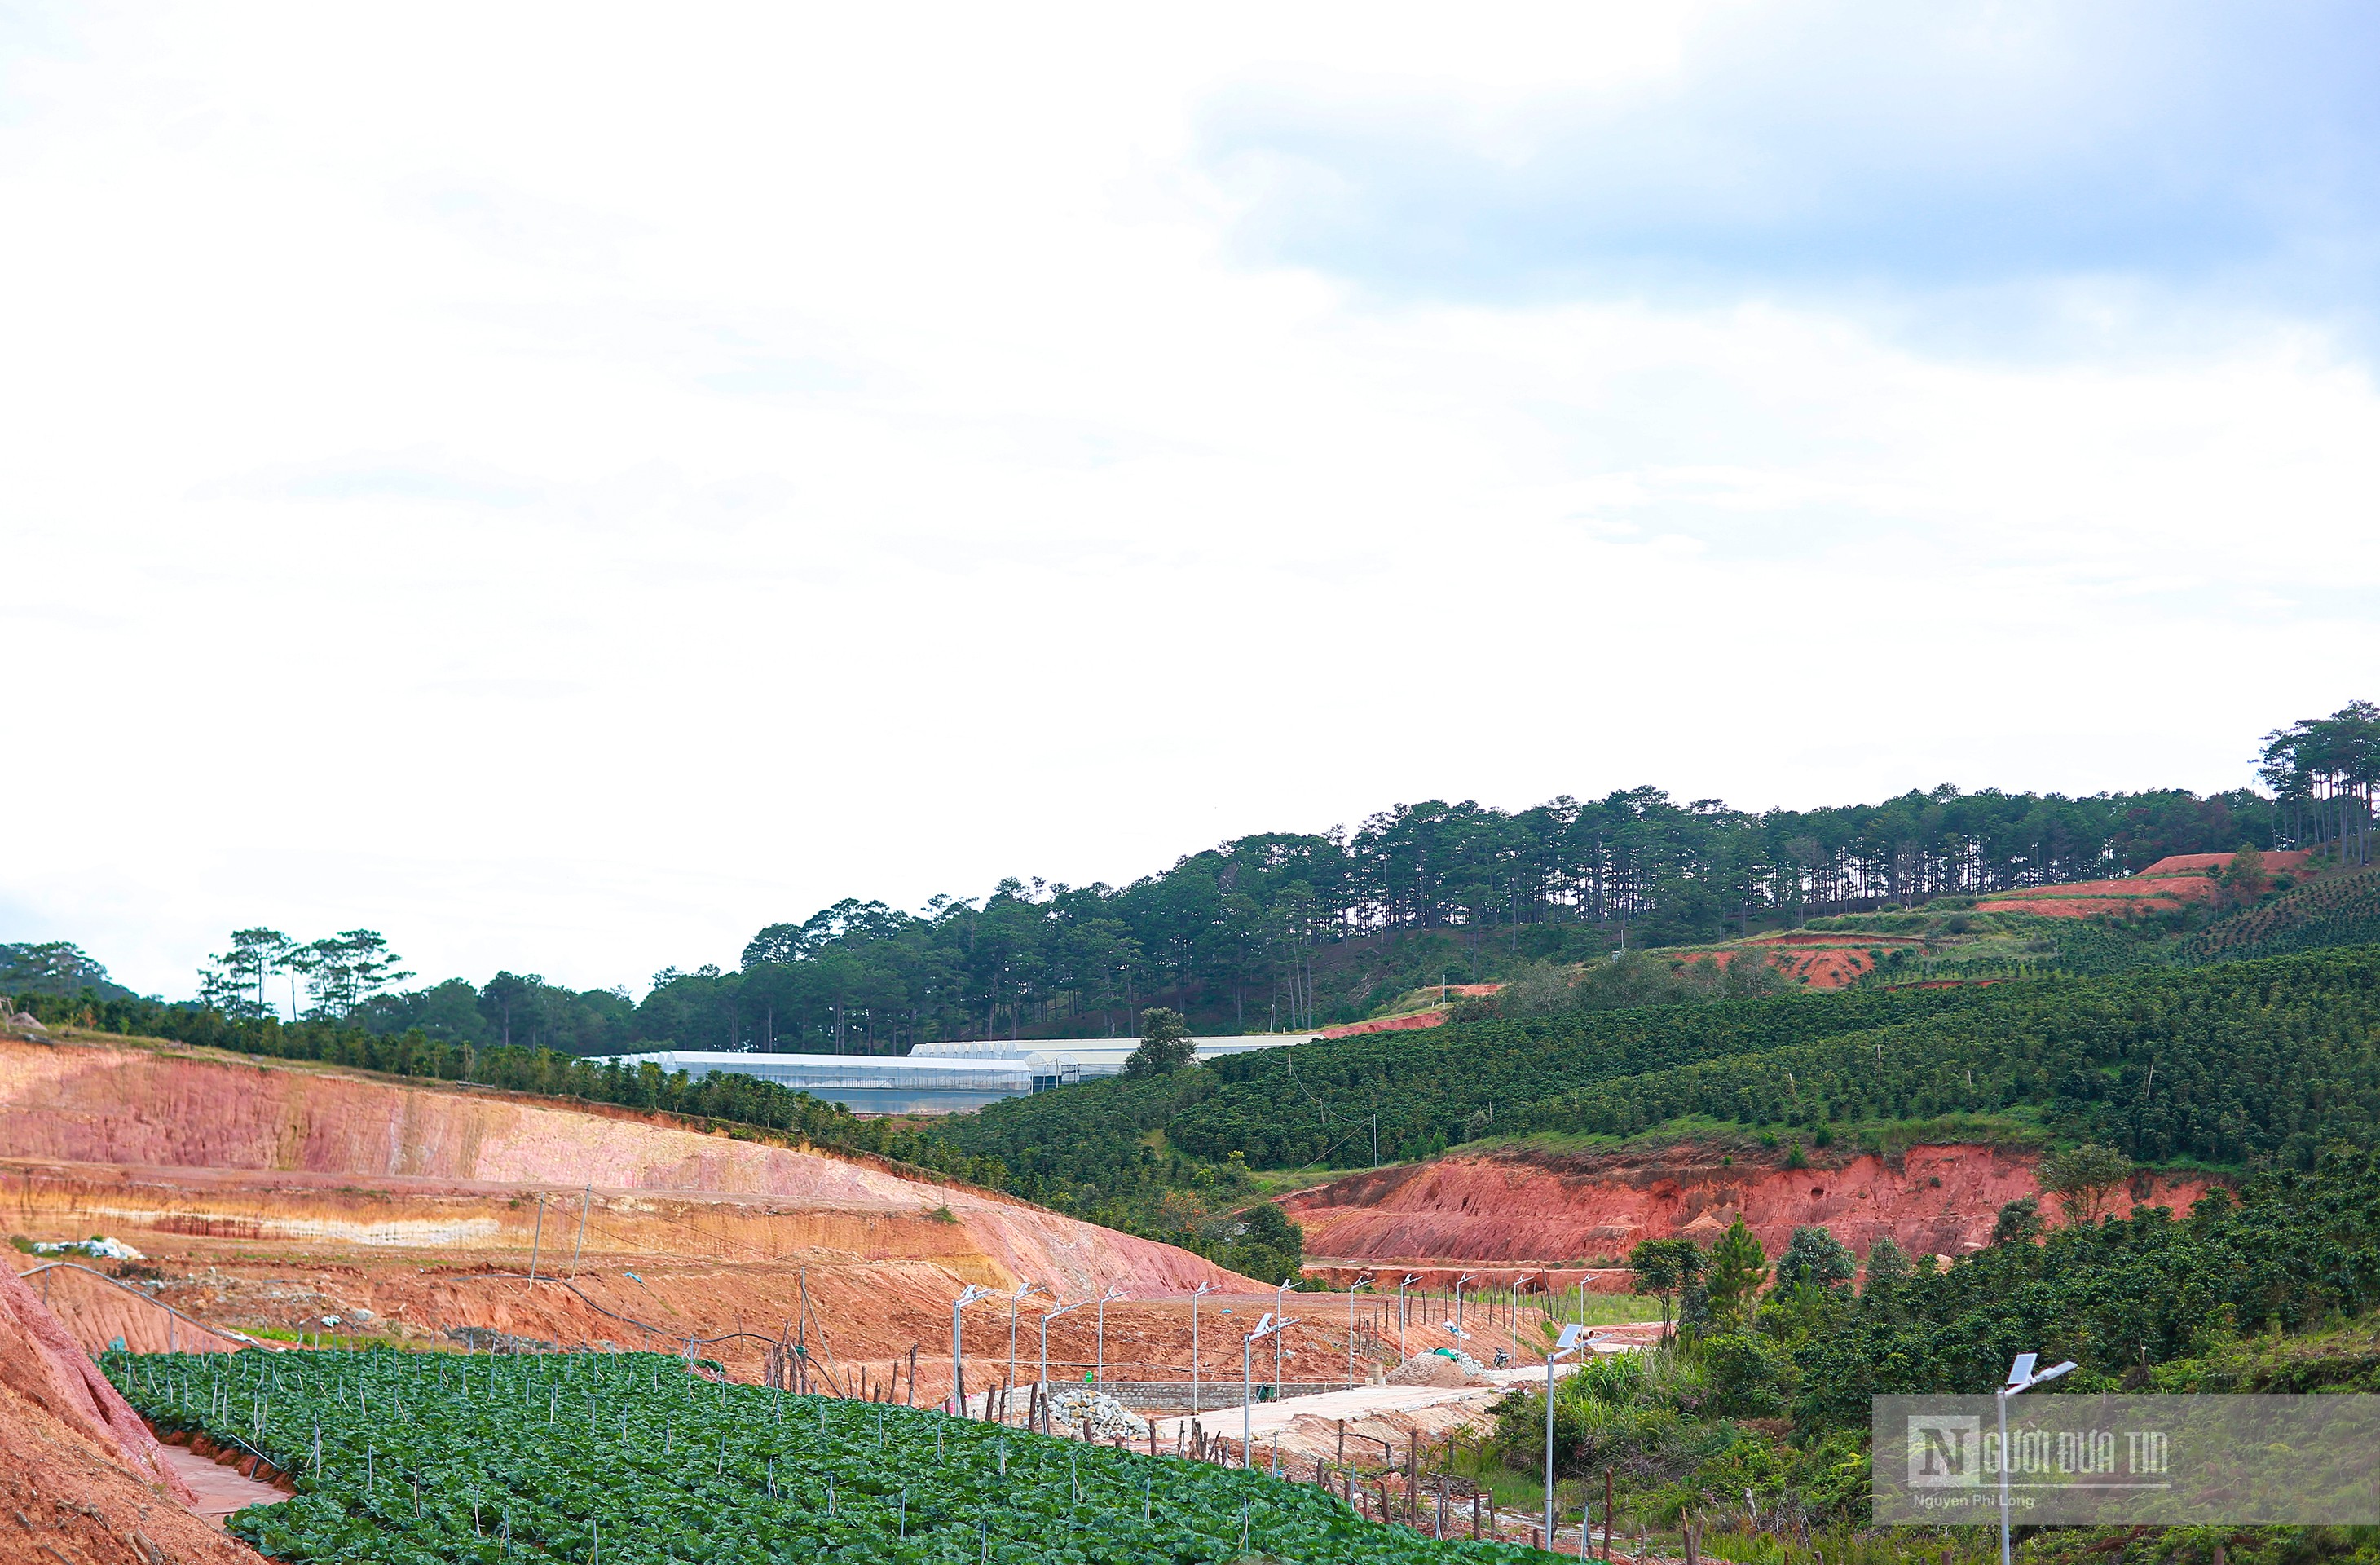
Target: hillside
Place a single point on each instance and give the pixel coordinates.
(2340, 909)
(278, 1198)
(2253, 1061)
(2225, 1065)
(83, 1483)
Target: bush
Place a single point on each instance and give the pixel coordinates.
(1747, 1377)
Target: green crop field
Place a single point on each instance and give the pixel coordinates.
(416, 1457)
(2332, 910)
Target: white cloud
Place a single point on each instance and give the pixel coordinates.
(565, 489)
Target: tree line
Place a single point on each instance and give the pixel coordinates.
(1261, 933)
(2322, 772)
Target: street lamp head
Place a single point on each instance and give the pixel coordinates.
(1111, 1295)
(971, 1296)
(1408, 1280)
(2023, 1377)
(1202, 1290)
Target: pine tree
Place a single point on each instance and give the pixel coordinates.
(1738, 1266)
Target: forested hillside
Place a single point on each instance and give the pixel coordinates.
(1279, 931)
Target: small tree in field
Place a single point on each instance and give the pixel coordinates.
(1165, 1045)
(1661, 1267)
(1738, 1266)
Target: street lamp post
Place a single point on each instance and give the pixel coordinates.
(2021, 1378)
(1046, 1319)
(1100, 1358)
(1015, 1302)
(1361, 1283)
(1196, 1294)
(1280, 1306)
(1270, 1326)
(958, 1382)
(1572, 1339)
(1407, 1281)
(1457, 1296)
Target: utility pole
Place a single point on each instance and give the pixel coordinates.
(586, 1199)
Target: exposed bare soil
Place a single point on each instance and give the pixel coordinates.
(1411, 1021)
(1825, 959)
(267, 1198)
(81, 1479)
(1539, 1215)
(2182, 880)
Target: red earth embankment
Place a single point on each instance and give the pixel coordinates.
(1525, 1211)
(1413, 1021)
(81, 1479)
(182, 1137)
(281, 1199)
(1825, 959)
(2182, 880)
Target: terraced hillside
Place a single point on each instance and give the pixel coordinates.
(2341, 909)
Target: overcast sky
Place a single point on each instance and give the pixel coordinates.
(566, 487)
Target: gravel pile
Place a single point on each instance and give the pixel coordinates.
(1437, 1369)
(1110, 1419)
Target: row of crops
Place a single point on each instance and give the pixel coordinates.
(628, 1458)
(2239, 1062)
(2330, 910)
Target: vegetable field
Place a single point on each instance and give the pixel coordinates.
(628, 1457)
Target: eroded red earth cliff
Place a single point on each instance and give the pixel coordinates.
(1520, 1210)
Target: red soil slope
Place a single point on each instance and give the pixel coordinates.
(2182, 880)
(1825, 959)
(80, 1477)
(163, 1111)
(1410, 1021)
(268, 1197)
(1531, 1213)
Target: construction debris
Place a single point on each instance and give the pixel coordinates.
(1110, 1419)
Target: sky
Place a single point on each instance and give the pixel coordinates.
(566, 486)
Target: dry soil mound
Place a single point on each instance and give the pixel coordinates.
(1428, 1369)
(80, 1477)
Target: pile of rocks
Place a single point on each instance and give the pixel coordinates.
(1110, 1419)
(1447, 1368)
(99, 1246)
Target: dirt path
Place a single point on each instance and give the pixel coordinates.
(219, 1486)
